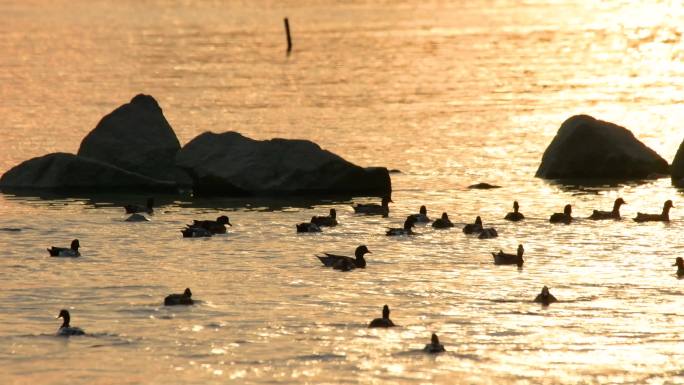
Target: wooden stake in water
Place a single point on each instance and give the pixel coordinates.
(289, 39)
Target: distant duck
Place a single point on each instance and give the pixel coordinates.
(443, 222)
(308, 227)
(66, 329)
(564, 217)
(409, 223)
(502, 258)
(179, 299)
(514, 216)
(72, 251)
(422, 216)
(137, 218)
(434, 346)
(132, 209)
(215, 227)
(472, 228)
(373, 208)
(330, 220)
(483, 186)
(545, 298)
(615, 214)
(488, 233)
(384, 322)
(680, 267)
(195, 232)
(663, 217)
(344, 263)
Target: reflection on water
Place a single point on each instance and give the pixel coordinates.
(451, 94)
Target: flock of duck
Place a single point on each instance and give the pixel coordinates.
(207, 228)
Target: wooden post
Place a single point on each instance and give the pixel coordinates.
(287, 33)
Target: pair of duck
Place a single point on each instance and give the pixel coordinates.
(566, 215)
(385, 322)
(481, 231)
(316, 222)
(206, 228)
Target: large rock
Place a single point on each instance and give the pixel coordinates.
(231, 164)
(68, 172)
(135, 137)
(677, 168)
(585, 147)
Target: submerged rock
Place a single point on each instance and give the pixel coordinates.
(585, 147)
(231, 164)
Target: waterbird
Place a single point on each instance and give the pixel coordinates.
(515, 216)
(564, 217)
(132, 209)
(330, 220)
(434, 346)
(488, 233)
(374, 208)
(443, 222)
(195, 232)
(384, 322)
(545, 298)
(137, 218)
(662, 217)
(502, 258)
(614, 214)
(409, 223)
(66, 329)
(308, 227)
(680, 267)
(72, 251)
(472, 228)
(344, 263)
(422, 216)
(215, 227)
(179, 299)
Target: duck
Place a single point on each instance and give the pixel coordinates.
(472, 228)
(515, 216)
(308, 227)
(132, 209)
(502, 258)
(564, 217)
(195, 232)
(384, 322)
(680, 267)
(488, 233)
(137, 218)
(215, 227)
(545, 298)
(72, 251)
(67, 330)
(179, 299)
(442, 223)
(374, 208)
(409, 223)
(614, 214)
(330, 220)
(344, 263)
(422, 216)
(434, 346)
(663, 217)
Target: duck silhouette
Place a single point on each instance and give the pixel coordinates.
(422, 216)
(515, 216)
(545, 298)
(384, 322)
(442, 223)
(662, 217)
(344, 263)
(614, 214)
(434, 346)
(374, 208)
(71, 251)
(66, 329)
(179, 299)
(564, 217)
(502, 258)
(330, 220)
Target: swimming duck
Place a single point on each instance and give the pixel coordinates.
(195, 232)
(374, 208)
(330, 220)
(472, 228)
(434, 346)
(72, 251)
(502, 258)
(545, 298)
(344, 263)
(409, 223)
(132, 209)
(488, 233)
(421, 217)
(663, 217)
(443, 222)
(65, 329)
(137, 218)
(515, 216)
(615, 214)
(308, 227)
(384, 322)
(215, 227)
(564, 217)
(179, 299)
(680, 267)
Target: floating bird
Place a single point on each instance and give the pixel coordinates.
(680, 267)
(137, 218)
(615, 214)
(330, 220)
(195, 232)
(514, 216)
(344, 263)
(434, 346)
(502, 258)
(308, 227)
(215, 227)
(483, 186)
(66, 329)
(488, 233)
(132, 209)
(564, 217)
(472, 228)
(663, 217)
(384, 322)
(545, 298)
(374, 208)
(443, 222)
(421, 217)
(72, 251)
(409, 223)
(179, 299)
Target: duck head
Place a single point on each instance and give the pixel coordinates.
(567, 210)
(618, 202)
(150, 203)
(478, 221)
(445, 217)
(516, 207)
(361, 251)
(545, 292)
(435, 339)
(521, 250)
(409, 222)
(385, 312)
(223, 220)
(333, 213)
(386, 201)
(668, 205)
(187, 293)
(64, 314)
(679, 263)
(423, 210)
(75, 245)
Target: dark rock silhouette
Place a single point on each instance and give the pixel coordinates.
(233, 165)
(677, 167)
(585, 147)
